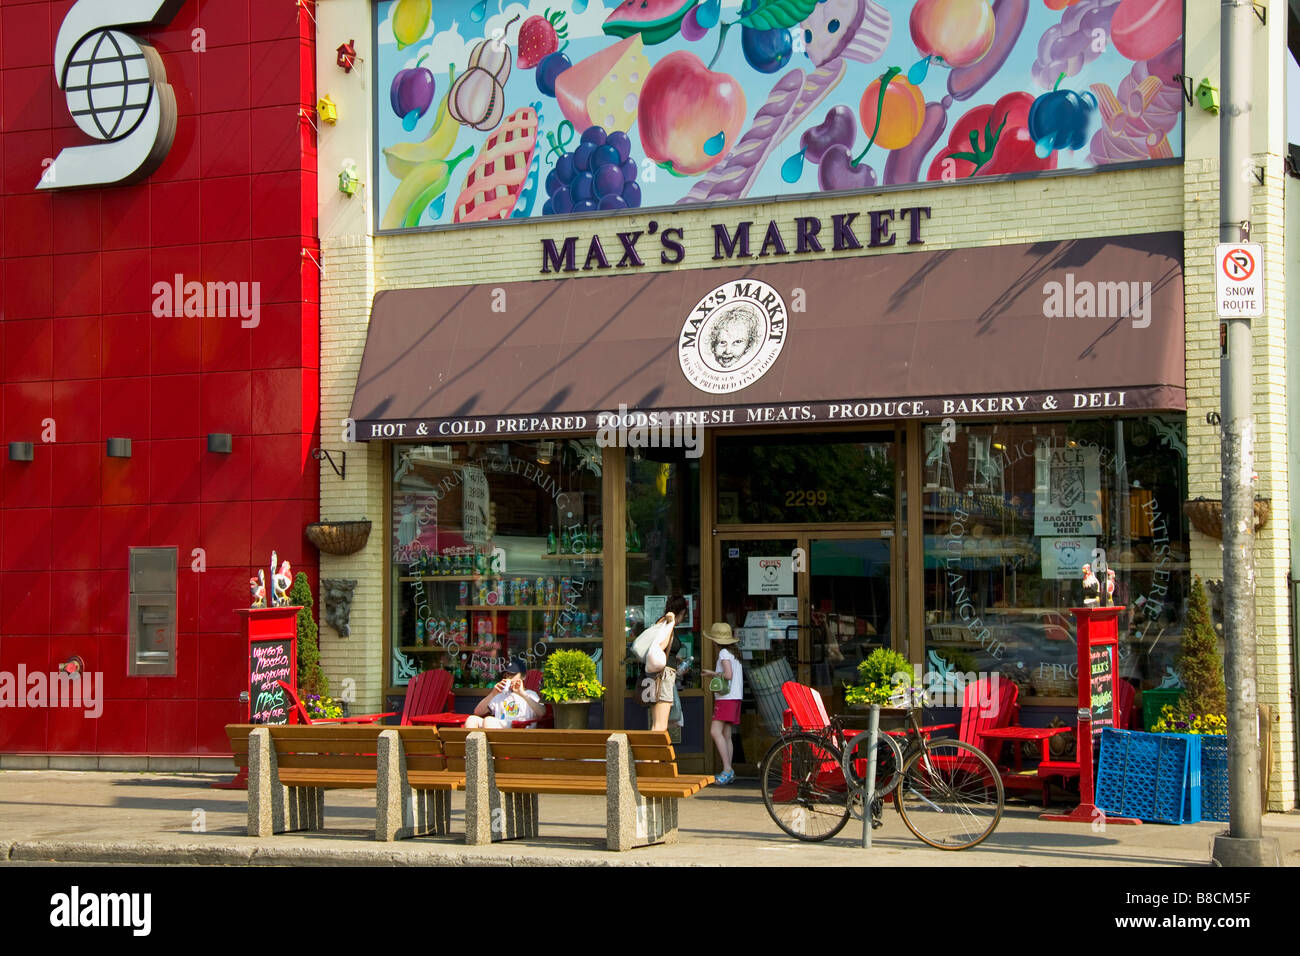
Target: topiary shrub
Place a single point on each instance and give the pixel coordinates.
(311, 679)
(570, 675)
(1201, 664)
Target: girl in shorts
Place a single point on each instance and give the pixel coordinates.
(726, 704)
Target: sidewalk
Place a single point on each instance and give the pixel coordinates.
(90, 817)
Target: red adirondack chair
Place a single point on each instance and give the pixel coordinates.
(298, 709)
(429, 692)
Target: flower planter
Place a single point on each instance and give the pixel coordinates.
(339, 537)
(572, 714)
(1206, 515)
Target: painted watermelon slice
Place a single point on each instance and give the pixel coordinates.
(655, 20)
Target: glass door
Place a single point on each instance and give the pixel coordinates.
(759, 596)
(850, 606)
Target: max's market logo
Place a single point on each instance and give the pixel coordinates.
(733, 336)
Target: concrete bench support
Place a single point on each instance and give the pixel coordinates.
(491, 815)
(401, 811)
(272, 807)
(632, 820)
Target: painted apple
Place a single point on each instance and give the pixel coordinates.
(1142, 28)
(960, 31)
(690, 117)
(901, 116)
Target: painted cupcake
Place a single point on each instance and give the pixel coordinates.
(856, 29)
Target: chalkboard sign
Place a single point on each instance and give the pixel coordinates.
(269, 661)
(1102, 687)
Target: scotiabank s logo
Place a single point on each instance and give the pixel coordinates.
(117, 92)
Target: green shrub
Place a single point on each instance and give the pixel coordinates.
(882, 673)
(1200, 663)
(570, 675)
(311, 679)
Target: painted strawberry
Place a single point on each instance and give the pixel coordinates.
(539, 37)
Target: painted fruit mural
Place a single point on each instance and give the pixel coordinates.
(584, 107)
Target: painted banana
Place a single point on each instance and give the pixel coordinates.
(418, 190)
(403, 158)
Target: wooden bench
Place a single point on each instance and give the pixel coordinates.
(291, 767)
(506, 770)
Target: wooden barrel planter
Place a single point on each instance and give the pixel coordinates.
(1206, 515)
(339, 537)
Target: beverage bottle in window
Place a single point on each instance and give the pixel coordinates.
(550, 541)
(546, 626)
(539, 591)
(419, 632)
(595, 622)
(565, 544)
(464, 592)
(596, 544)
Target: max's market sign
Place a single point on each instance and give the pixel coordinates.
(748, 239)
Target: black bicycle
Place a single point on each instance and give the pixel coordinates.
(948, 792)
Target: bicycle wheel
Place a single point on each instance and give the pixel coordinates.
(804, 788)
(889, 760)
(950, 795)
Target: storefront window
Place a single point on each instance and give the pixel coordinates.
(1011, 514)
(495, 555)
(663, 554)
(793, 479)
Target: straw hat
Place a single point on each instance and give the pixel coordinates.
(720, 634)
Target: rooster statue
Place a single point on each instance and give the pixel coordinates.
(1110, 587)
(257, 586)
(280, 582)
(1091, 587)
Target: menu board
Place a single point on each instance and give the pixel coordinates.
(1102, 687)
(270, 661)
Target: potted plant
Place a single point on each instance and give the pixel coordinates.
(881, 674)
(569, 683)
(311, 678)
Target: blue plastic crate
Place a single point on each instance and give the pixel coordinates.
(1145, 776)
(1214, 777)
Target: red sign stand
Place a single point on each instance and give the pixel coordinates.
(269, 627)
(1098, 647)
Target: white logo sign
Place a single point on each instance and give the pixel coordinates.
(733, 336)
(117, 91)
(1239, 276)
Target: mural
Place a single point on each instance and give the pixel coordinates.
(493, 110)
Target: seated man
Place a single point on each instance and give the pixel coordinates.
(509, 704)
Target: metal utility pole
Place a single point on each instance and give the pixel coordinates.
(1243, 844)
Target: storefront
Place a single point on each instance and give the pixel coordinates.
(602, 459)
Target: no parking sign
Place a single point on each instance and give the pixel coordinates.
(1239, 278)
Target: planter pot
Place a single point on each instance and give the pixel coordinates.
(339, 537)
(1206, 515)
(572, 715)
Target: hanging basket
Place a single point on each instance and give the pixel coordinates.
(1206, 515)
(339, 537)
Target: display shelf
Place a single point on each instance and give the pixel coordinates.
(420, 649)
(575, 640)
(593, 555)
(445, 577)
(511, 607)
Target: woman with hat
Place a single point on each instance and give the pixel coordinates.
(729, 689)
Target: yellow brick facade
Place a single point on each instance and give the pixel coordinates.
(1181, 197)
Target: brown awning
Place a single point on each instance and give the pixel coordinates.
(1004, 331)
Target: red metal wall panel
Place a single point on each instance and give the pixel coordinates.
(83, 358)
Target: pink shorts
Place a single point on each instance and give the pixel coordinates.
(727, 711)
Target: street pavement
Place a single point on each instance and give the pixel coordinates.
(177, 818)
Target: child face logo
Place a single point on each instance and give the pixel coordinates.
(733, 336)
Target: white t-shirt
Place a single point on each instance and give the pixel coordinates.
(737, 690)
(512, 706)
